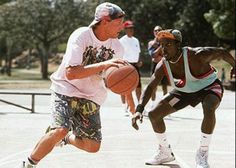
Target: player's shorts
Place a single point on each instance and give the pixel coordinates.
(137, 68)
(80, 115)
(179, 100)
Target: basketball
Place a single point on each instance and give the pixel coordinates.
(121, 80)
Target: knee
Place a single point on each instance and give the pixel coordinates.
(210, 104)
(58, 133)
(92, 148)
(154, 117)
(208, 109)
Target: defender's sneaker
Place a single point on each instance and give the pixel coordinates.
(163, 155)
(202, 159)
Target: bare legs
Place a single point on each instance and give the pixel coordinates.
(49, 140)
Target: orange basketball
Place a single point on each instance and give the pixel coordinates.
(121, 80)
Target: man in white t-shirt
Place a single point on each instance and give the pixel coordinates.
(131, 54)
(78, 88)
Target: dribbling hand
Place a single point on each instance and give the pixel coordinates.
(137, 117)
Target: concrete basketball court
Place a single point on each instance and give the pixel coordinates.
(122, 146)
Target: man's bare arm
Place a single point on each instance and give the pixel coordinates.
(154, 81)
(208, 54)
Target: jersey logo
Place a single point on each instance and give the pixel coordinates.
(94, 55)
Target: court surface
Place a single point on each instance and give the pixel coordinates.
(122, 146)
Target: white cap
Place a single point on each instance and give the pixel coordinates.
(107, 9)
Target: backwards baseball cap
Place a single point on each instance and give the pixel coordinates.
(128, 24)
(170, 34)
(107, 9)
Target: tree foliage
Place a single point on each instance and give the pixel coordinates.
(44, 24)
(222, 17)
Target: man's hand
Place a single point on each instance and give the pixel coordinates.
(137, 116)
(116, 62)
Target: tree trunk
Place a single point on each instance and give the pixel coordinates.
(45, 56)
(40, 54)
(8, 60)
(0, 61)
(9, 65)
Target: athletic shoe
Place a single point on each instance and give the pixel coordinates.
(201, 159)
(163, 155)
(25, 164)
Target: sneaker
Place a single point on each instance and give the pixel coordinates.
(163, 155)
(25, 164)
(202, 159)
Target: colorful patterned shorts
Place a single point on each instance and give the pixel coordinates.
(79, 115)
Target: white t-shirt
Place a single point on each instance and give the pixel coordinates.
(83, 48)
(131, 47)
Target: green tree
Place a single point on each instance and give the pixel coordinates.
(47, 22)
(10, 38)
(44, 23)
(195, 29)
(222, 17)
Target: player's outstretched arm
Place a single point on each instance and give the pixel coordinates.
(208, 54)
(146, 95)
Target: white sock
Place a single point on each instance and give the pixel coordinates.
(162, 139)
(205, 141)
(31, 161)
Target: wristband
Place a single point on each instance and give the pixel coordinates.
(140, 108)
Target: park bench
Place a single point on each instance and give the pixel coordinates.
(32, 94)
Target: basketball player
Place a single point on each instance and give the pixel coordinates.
(77, 86)
(195, 82)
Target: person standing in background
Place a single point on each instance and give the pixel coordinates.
(154, 51)
(223, 75)
(132, 55)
